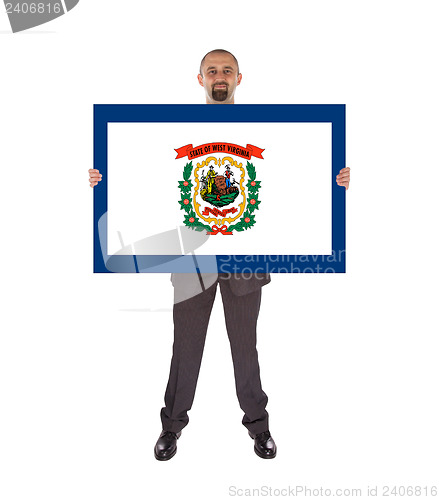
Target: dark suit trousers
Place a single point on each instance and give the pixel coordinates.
(191, 319)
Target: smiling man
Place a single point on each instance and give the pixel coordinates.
(241, 295)
(219, 75)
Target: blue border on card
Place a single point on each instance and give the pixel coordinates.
(278, 113)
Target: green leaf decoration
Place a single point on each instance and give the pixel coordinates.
(184, 188)
(183, 205)
(251, 171)
(255, 188)
(254, 207)
(187, 171)
(185, 196)
(202, 227)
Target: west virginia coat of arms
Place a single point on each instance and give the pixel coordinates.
(218, 192)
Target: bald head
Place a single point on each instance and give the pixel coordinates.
(218, 51)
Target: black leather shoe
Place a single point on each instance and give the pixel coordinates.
(265, 447)
(166, 446)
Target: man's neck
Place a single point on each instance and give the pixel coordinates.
(219, 102)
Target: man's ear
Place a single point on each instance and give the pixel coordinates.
(239, 79)
(200, 80)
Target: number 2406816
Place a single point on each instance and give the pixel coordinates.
(33, 8)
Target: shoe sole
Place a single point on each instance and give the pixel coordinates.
(259, 454)
(163, 459)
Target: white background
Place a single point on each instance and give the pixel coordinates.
(349, 362)
(291, 219)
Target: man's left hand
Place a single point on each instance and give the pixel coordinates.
(344, 177)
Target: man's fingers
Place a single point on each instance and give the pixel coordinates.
(93, 170)
(345, 184)
(343, 176)
(93, 184)
(344, 171)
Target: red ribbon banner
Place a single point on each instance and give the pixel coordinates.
(219, 147)
(216, 212)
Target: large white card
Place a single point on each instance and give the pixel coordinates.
(294, 214)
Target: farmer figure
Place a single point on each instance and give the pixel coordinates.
(210, 179)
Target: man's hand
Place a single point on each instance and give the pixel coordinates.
(344, 177)
(95, 177)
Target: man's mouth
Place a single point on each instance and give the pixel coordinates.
(220, 92)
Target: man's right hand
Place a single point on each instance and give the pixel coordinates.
(95, 177)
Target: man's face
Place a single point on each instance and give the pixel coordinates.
(219, 78)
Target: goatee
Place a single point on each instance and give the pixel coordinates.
(220, 94)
